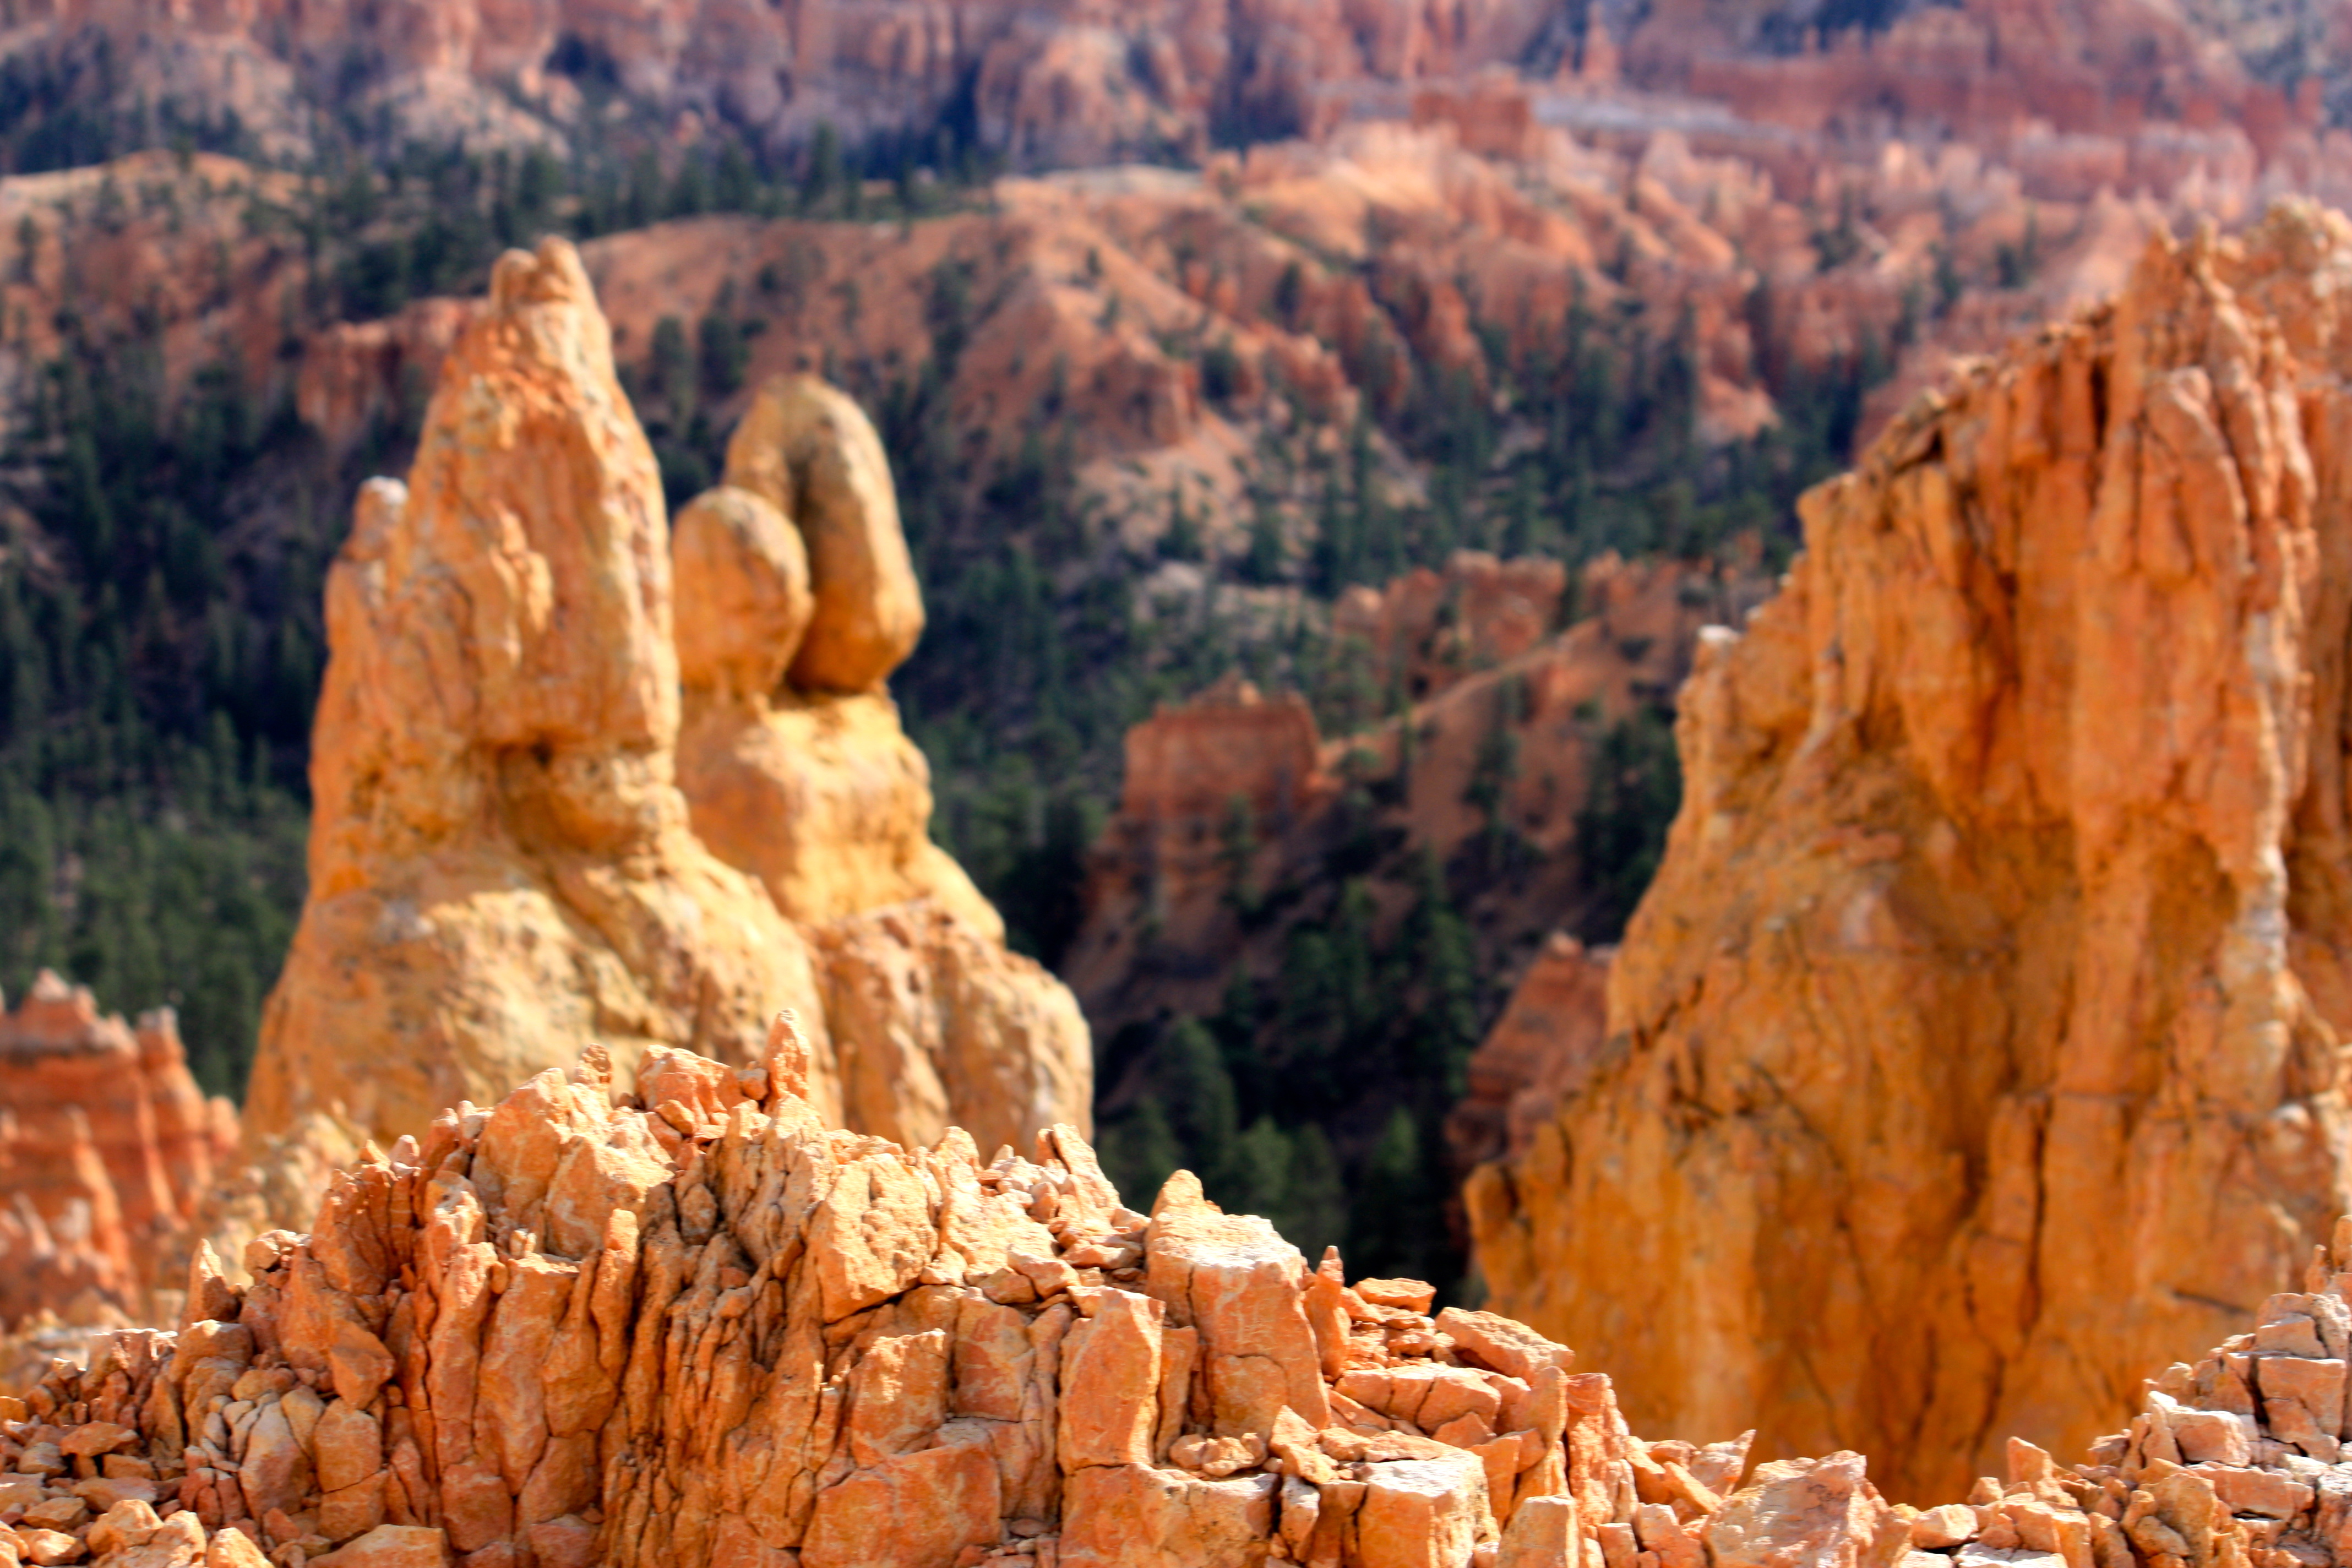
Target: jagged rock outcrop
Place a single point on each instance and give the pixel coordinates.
(512, 855)
(501, 870)
(695, 1326)
(107, 1148)
(795, 769)
(692, 1326)
(1979, 1039)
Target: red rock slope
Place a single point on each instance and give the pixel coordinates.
(1978, 1045)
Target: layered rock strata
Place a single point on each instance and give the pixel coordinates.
(2002, 934)
(693, 1326)
(563, 799)
(107, 1148)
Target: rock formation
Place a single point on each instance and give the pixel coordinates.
(500, 866)
(692, 1326)
(697, 1327)
(1978, 1041)
(800, 601)
(107, 1147)
(1435, 627)
(504, 866)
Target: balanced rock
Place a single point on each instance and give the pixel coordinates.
(1978, 1043)
(582, 779)
(798, 600)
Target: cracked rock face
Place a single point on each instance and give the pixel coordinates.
(1978, 1046)
(692, 1325)
(501, 870)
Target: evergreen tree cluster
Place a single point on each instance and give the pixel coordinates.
(158, 670)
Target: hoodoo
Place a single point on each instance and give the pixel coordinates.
(504, 868)
(1978, 1046)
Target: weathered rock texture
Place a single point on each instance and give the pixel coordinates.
(693, 1326)
(799, 601)
(107, 1147)
(500, 866)
(700, 1327)
(504, 868)
(2002, 934)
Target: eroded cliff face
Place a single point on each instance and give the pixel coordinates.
(693, 1326)
(504, 866)
(1978, 1043)
(107, 1148)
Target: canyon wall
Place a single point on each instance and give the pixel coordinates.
(504, 869)
(691, 1325)
(1978, 1044)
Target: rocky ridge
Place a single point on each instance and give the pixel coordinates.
(692, 1325)
(2006, 892)
(504, 866)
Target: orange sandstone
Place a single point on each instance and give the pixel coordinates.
(502, 870)
(107, 1147)
(690, 1325)
(572, 791)
(1978, 1043)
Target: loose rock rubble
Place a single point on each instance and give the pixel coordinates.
(691, 1325)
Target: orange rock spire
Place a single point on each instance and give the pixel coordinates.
(1976, 1048)
(504, 866)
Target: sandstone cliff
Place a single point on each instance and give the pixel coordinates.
(505, 868)
(107, 1147)
(2002, 932)
(693, 1326)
